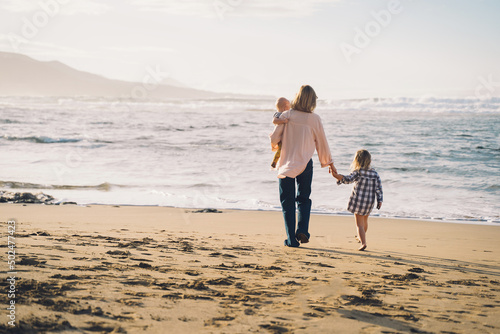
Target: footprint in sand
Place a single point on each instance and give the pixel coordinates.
(32, 324)
(103, 327)
(192, 273)
(31, 261)
(277, 327)
(118, 253)
(219, 321)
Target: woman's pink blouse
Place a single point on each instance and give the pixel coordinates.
(299, 138)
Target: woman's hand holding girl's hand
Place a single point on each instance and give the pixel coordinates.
(332, 169)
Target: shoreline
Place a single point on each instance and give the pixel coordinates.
(50, 200)
(7, 196)
(131, 269)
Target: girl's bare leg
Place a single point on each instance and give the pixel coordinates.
(365, 225)
(360, 224)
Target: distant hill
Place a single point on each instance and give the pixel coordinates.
(21, 75)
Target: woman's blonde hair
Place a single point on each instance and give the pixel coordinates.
(362, 160)
(305, 100)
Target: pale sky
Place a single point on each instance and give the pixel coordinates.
(342, 48)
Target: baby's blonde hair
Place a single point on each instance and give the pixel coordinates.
(362, 160)
(281, 103)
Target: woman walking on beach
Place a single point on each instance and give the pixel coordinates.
(367, 188)
(300, 137)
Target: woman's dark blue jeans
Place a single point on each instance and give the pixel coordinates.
(288, 199)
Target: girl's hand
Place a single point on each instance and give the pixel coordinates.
(335, 174)
(379, 205)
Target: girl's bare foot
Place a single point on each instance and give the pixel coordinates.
(362, 248)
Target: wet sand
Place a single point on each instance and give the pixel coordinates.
(105, 269)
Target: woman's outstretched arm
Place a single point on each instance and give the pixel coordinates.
(325, 157)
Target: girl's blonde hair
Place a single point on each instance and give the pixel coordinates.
(305, 100)
(362, 160)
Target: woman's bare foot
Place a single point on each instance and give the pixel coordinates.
(358, 239)
(362, 248)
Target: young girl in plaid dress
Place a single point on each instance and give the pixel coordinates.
(367, 188)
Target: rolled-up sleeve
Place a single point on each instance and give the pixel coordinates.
(324, 154)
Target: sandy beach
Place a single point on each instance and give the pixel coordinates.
(132, 269)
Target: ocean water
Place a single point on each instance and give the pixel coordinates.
(438, 158)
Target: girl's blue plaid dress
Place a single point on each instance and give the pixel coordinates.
(368, 187)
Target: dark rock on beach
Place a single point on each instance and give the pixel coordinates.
(206, 211)
(40, 198)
